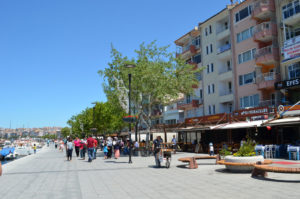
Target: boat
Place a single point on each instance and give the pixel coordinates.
(8, 152)
(23, 150)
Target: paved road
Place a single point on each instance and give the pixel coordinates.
(48, 175)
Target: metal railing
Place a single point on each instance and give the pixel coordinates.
(263, 26)
(224, 48)
(224, 69)
(270, 103)
(264, 51)
(225, 92)
(222, 29)
(263, 77)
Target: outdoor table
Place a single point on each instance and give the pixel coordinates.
(260, 150)
(293, 149)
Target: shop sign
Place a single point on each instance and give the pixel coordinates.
(253, 113)
(287, 83)
(291, 48)
(204, 119)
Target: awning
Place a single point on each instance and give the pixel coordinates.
(284, 121)
(238, 125)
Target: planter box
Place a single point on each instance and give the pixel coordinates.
(242, 168)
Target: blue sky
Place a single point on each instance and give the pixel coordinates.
(51, 50)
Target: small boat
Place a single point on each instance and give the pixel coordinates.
(23, 151)
(8, 152)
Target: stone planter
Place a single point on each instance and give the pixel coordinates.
(242, 168)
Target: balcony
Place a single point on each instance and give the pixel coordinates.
(225, 73)
(263, 9)
(226, 96)
(187, 105)
(265, 32)
(222, 32)
(187, 51)
(224, 51)
(266, 80)
(267, 56)
(291, 14)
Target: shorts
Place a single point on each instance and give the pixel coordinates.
(105, 153)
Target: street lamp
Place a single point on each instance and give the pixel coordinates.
(129, 107)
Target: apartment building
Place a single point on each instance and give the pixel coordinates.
(288, 17)
(216, 58)
(255, 53)
(189, 49)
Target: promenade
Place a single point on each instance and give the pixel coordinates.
(48, 175)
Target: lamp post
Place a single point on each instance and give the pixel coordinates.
(129, 111)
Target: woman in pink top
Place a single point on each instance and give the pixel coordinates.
(77, 146)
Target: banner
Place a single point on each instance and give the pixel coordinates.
(291, 48)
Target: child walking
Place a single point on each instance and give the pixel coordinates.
(105, 150)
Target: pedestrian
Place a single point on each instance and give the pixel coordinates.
(95, 148)
(55, 144)
(136, 148)
(174, 144)
(211, 149)
(77, 146)
(156, 148)
(90, 147)
(34, 148)
(117, 150)
(109, 147)
(69, 149)
(105, 151)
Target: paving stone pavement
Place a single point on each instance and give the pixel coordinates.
(47, 174)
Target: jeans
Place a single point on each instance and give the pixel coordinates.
(156, 156)
(90, 153)
(95, 152)
(69, 152)
(77, 150)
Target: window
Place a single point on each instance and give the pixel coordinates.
(196, 41)
(198, 76)
(211, 67)
(246, 34)
(206, 32)
(213, 88)
(294, 70)
(228, 66)
(291, 32)
(201, 94)
(209, 110)
(242, 14)
(246, 56)
(290, 9)
(249, 101)
(214, 109)
(208, 89)
(207, 69)
(188, 99)
(210, 29)
(207, 50)
(246, 79)
(197, 58)
(211, 48)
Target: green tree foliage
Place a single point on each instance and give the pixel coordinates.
(65, 132)
(157, 79)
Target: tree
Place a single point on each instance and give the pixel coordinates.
(158, 78)
(65, 132)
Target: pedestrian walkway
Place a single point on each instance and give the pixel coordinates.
(47, 174)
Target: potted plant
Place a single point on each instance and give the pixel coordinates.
(246, 156)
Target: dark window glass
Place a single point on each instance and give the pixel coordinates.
(244, 13)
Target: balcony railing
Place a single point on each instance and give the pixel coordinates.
(192, 102)
(224, 69)
(290, 10)
(224, 48)
(265, 51)
(265, 31)
(222, 29)
(265, 77)
(225, 92)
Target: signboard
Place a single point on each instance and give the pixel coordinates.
(254, 113)
(291, 48)
(130, 119)
(287, 83)
(206, 119)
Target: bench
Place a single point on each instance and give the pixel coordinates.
(242, 163)
(192, 160)
(261, 170)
